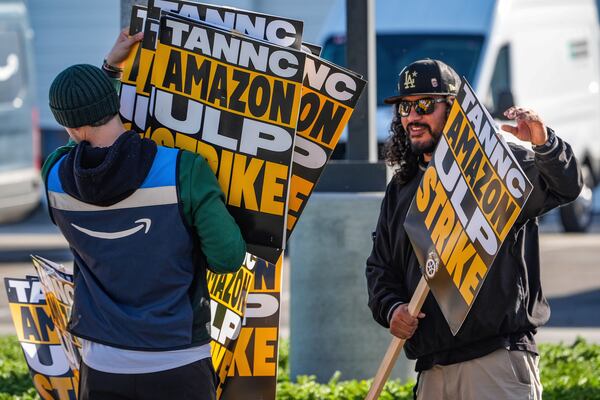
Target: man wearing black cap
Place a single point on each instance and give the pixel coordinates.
(494, 355)
(143, 223)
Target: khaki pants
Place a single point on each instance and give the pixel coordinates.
(501, 375)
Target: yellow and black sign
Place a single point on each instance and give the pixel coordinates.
(235, 101)
(329, 95)
(469, 198)
(41, 340)
(136, 81)
(59, 291)
(252, 369)
(228, 295)
(133, 105)
(284, 32)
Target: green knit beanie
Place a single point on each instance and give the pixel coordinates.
(82, 95)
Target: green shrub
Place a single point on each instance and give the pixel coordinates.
(568, 372)
(15, 381)
(283, 367)
(306, 388)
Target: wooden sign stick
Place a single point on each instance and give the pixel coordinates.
(391, 355)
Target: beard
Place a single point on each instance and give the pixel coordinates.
(423, 147)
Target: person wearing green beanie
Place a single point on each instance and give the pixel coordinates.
(82, 95)
(144, 223)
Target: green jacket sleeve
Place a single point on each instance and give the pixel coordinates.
(54, 157)
(116, 84)
(204, 209)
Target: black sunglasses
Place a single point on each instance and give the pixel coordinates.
(422, 106)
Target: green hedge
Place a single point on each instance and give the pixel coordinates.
(568, 373)
(15, 382)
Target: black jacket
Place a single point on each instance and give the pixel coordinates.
(510, 305)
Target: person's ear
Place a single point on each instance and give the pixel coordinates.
(75, 133)
(449, 101)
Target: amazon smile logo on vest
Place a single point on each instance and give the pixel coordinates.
(144, 223)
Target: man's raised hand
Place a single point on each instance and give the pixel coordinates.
(530, 127)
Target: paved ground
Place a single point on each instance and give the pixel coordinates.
(571, 281)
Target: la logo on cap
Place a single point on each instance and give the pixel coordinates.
(409, 81)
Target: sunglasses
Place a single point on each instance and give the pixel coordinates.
(422, 106)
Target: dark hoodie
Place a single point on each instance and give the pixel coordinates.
(94, 174)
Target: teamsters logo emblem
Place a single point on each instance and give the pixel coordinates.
(432, 264)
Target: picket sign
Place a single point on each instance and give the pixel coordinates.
(393, 351)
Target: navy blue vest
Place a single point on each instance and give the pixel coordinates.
(134, 263)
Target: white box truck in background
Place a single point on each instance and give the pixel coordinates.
(19, 133)
(540, 54)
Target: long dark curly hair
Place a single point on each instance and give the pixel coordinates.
(398, 153)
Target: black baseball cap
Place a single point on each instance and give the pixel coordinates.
(426, 77)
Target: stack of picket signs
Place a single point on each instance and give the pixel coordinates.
(241, 89)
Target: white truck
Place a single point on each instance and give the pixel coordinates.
(540, 54)
(19, 134)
